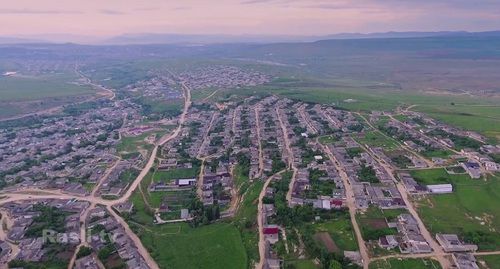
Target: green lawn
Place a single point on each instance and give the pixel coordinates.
(129, 145)
(341, 232)
(405, 264)
(180, 246)
(376, 139)
(176, 174)
(327, 139)
(436, 176)
(439, 153)
(492, 261)
(20, 88)
(302, 264)
(470, 211)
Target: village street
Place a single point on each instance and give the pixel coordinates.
(93, 200)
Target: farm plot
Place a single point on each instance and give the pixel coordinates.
(471, 211)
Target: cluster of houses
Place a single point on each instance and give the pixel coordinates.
(308, 156)
(106, 232)
(217, 186)
(72, 148)
(118, 178)
(270, 232)
(409, 239)
(159, 85)
(23, 215)
(222, 76)
(382, 193)
(413, 187)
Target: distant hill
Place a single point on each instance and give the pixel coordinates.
(17, 40)
(194, 39)
(146, 38)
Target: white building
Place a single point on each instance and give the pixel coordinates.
(440, 188)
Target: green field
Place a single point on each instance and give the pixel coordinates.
(129, 145)
(302, 264)
(376, 139)
(405, 264)
(341, 232)
(327, 139)
(492, 261)
(436, 176)
(180, 246)
(21, 88)
(469, 211)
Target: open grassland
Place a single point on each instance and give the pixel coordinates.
(130, 145)
(340, 230)
(437, 176)
(25, 88)
(471, 211)
(180, 246)
(327, 139)
(217, 245)
(246, 221)
(302, 264)
(490, 262)
(376, 139)
(373, 222)
(481, 117)
(405, 264)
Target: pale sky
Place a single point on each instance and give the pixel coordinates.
(267, 17)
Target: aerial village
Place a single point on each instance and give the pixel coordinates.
(72, 171)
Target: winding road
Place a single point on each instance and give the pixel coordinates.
(23, 195)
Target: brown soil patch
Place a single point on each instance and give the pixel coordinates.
(376, 223)
(327, 241)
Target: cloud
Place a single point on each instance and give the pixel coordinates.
(250, 2)
(111, 12)
(181, 8)
(37, 11)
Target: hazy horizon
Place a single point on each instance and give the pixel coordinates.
(98, 19)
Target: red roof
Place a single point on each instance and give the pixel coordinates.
(272, 230)
(336, 202)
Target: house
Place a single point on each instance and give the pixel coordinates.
(271, 233)
(185, 182)
(473, 169)
(440, 188)
(388, 242)
(464, 261)
(451, 243)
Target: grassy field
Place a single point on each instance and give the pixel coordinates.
(302, 264)
(469, 211)
(327, 139)
(22, 88)
(436, 176)
(405, 264)
(341, 232)
(492, 261)
(216, 245)
(376, 139)
(483, 118)
(180, 246)
(373, 222)
(129, 145)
